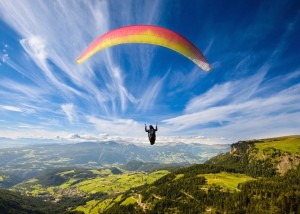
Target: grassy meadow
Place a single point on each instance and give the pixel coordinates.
(227, 181)
(114, 185)
(104, 181)
(118, 183)
(289, 144)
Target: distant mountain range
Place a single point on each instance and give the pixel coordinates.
(28, 161)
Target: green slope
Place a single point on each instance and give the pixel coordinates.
(262, 158)
(289, 144)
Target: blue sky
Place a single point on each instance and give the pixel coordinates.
(253, 90)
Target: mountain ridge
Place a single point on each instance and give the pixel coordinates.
(271, 155)
(28, 162)
(193, 190)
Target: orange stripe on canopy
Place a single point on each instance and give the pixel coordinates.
(147, 34)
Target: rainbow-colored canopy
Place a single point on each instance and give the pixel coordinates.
(149, 35)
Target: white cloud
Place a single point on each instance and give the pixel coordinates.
(117, 126)
(229, 92)
(74, 136)
(250, 116)
(54, 35)
(39, 134)
(11, 108)
(70, 112)
(4, 57)
(216, 94)
(150, 94)
(36, 45)
(30, 132)
(46, 38)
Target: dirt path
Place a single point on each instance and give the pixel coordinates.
(142, 205)
(187, 194)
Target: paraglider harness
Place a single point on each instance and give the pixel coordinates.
(151, 134)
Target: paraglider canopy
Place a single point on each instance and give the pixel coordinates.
(147, 34)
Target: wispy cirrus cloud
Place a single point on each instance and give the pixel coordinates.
(11, 108)
(223, 109)
(228, 92)
(151, 93)
(44, 38)
(70, 112)
(53, 36)
(116, 126)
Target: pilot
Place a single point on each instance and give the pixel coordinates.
(151, 133)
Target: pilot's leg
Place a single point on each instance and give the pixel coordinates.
(152, 141)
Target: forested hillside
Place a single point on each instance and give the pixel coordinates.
(190, 194)
(14, 203)
(245, 180)
(266, 157)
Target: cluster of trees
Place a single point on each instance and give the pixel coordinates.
(14, 203)
(53, 177)
(116, 171)
(9, 180)
(240, 161)
(272, 195)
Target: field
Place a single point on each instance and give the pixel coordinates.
(118, 183)
(100, 181)
(95, 206)
(115, 184)
(227, 180)
(289, 144)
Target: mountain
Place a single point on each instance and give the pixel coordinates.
(208, 189)
(248, 179)
(135, 165)
(256, 176)
(265, 157)
(29, 161)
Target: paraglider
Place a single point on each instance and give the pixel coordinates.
(151, 133)
(147, 34)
